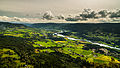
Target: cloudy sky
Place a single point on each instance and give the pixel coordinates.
(23, 7)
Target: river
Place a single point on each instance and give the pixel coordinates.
(58, 34)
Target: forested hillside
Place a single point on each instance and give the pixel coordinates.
(107, 33)
(37, 47)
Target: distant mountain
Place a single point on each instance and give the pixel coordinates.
(81, 27)
(49, 25)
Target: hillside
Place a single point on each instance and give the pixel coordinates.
(36, 46)
(105, 32)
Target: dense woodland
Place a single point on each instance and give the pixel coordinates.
(35, 46)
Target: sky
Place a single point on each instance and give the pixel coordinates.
(38, 7)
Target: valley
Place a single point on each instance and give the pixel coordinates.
(59, 45)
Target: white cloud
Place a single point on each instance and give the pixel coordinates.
(37, 20)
